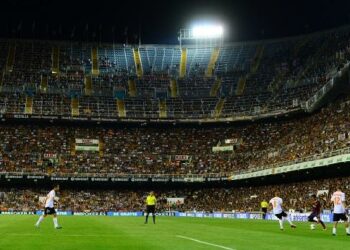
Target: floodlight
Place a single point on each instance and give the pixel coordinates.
(207, 31)
(211, 34)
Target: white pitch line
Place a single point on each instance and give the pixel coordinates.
(66, 235)
(204, 242)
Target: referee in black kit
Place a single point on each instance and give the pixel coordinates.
(151, 207)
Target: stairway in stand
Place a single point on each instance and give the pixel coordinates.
(132, 88)
(75, 106)
(44, 83)
(211, 65)
(183, 62)
(162, 109)
(241, 85)
(173, 88)
(55, 68)
(28, 109)
(11, 58)
(121, 108)
(88, 85)
(218, 108)
(138, 64)
(94, 57)
(215, 88)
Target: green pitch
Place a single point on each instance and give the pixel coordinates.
(85, 233)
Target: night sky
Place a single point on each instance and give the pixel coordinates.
(159, 21)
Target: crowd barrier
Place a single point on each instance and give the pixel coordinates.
(301, 217)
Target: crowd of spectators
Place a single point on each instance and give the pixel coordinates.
(288, 70)
(296, 196)
(155, 150)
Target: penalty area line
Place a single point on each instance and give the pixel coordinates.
(204, 242)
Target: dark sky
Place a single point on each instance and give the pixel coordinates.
(159, 21)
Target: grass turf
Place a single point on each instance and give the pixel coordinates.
(93, 232)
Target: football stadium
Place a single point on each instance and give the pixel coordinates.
(204, 138)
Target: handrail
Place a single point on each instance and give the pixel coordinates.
(304, 159)
(310, 103)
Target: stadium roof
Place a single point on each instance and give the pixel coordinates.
(159, 21)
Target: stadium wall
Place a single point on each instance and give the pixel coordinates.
(299, 217)
(74, 182)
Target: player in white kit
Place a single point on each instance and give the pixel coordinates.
(49, 208)
(276, 203)
(339, 211)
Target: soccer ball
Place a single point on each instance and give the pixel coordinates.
(312, 227)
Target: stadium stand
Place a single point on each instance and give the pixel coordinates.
(200, 200)
(55, 94)
(151, 150)
(246, 79)
(110, 122)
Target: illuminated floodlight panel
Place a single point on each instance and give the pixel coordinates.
(208, 34)
(207, 31)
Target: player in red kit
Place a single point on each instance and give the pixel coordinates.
(315, 215)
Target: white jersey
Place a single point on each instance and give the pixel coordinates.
(277, 205)
(50, 198)
(338, 198)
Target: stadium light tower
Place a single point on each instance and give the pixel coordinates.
(207, 33)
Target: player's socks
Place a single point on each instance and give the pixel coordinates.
(146, 219)
(55, 222)
(290, 222)
(41, 218)
(154, 219)
(281, 224)
(348, 230)
(334, 231)
(323, 225)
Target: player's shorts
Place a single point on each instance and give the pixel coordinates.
(338, 217)
(50, 210)
(280, 215)
(151, 209)
(312, 216)
(264, 210)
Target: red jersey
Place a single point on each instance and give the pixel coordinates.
(316, 207)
